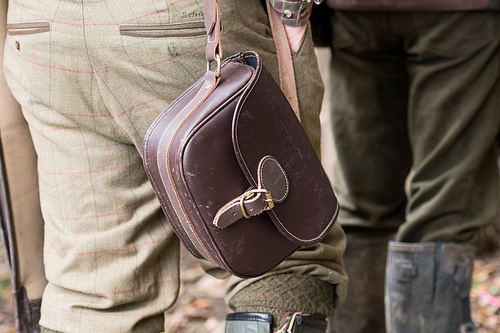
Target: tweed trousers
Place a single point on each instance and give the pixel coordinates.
(420, 92)
(90, 77)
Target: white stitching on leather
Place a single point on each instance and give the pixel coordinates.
(271, 211)
(242, 102)
(282, 171)
(176, 204)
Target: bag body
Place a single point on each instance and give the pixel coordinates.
(235, 172)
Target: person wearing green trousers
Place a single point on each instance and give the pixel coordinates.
(89, 91)
(415, 107)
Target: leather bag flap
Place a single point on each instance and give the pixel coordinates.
(264, 130)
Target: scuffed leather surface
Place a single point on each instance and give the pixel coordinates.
(212, 156)
(266, 125)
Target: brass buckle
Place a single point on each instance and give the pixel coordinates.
(268, 200)
(217, 57)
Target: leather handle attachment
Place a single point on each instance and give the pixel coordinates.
(285, 64)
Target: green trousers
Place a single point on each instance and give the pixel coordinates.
(90, 77)
(420, 92)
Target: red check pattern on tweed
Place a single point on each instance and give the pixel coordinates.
(89, 94)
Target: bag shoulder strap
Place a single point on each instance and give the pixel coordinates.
(285, 63)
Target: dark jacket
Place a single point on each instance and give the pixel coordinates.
(413, 5)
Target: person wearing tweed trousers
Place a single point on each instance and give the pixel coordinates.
(90, 77)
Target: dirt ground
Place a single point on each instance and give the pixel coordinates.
(200, 308)
(485, 292)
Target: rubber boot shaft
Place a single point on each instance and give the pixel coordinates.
(241, 322)
(427, 287)
(364, 261)
(256, 322)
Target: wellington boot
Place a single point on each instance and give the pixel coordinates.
(427, 288)
(364, 261)
(255, 322)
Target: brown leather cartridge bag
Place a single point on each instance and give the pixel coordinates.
(234, 170)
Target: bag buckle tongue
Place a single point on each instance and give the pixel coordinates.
(248, 194)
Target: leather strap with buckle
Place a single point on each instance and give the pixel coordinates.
(272, 188)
